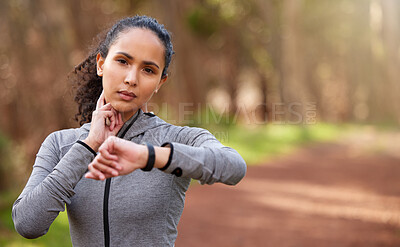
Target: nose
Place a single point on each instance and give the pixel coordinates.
(131, 78)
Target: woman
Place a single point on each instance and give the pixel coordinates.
(143, 207)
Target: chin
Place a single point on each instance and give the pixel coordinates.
(124, 106)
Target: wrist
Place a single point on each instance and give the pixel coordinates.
(144, 156)
(162, 156)
(93, 145)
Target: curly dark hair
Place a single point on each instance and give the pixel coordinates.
(88, 84)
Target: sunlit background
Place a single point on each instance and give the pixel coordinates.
(306, 90)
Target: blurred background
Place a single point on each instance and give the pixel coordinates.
(306, 90)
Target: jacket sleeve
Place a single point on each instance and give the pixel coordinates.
(50, 186)
(198, 154)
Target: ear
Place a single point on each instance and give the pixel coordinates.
(100, 64)
(162, 81)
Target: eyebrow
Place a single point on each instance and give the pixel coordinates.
(131, 58)
(125, 54)
(151, 63)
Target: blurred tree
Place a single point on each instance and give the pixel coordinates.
(292, 78)
(340, 56)
(391, 42)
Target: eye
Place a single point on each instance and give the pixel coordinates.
(122, 61)
(148, 70)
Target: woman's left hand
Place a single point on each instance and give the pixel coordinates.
(117, 157)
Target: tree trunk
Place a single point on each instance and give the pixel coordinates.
(391, 40)
(293, 88)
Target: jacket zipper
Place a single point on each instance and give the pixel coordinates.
(106, 221)
(105, 213)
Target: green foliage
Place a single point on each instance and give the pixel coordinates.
(12, 156)
(3, 142)
(210, 119)
(257, 144)
(4, 160)
(202, 21)
(212, 16)
(58, 234)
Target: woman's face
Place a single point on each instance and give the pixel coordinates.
(132, 70)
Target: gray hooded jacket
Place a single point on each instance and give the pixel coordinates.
(138, 209)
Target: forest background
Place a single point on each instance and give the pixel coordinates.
(246, 63)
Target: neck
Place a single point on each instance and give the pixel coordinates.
(127, 115)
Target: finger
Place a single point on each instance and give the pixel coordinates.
(117, 166)
(118, 124)
(105, 166)
(108, 122)
(106, 107)
(107, 162)
(104, 152)
(109, 176)
(96, 173)
(114, 164)
(106, 114)
(110, 173)
(100, 101)
(91, 176)
(112, 119)
(115, 119)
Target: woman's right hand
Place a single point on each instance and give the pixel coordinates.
(99, 130)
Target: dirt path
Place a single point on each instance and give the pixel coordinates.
(322, 195)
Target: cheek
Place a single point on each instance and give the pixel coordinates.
(109, 81)
(149, 88)
(111, 74)
(107, 88)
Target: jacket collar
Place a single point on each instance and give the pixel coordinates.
(143, 123)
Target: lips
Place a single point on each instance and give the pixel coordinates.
(126, 95)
